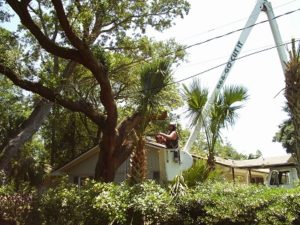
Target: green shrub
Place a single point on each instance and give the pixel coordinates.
(152, 202)
(200, 173)
(107, 203)
(15, 207)
(61, 205)
(226, 203)
(210, 203)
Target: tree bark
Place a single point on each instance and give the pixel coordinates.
(106, 165)
(116, 147)
(26, 131)
(31, 125)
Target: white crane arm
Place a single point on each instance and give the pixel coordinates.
(261, 5)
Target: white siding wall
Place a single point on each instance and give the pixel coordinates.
(86, 168)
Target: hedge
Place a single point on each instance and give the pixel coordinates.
(149, 203)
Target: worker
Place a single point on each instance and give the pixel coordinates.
(170, 139)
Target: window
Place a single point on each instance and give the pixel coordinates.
(280, 177)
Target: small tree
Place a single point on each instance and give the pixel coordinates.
(154, 77)
(222, 113)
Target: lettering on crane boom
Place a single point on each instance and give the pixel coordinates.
(235, 53)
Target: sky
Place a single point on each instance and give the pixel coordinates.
(261, 73)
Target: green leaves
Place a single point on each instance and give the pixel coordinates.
(211, 203)
(226, 105)
(196, 98)
(214, 117)
(154, 77)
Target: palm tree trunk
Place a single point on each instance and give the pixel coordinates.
(138, 167)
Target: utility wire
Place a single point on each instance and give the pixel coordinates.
(220, 57)
(237, 30)
(223, 64)
(217, 66)
(229, 23)
(214, 38)
(217, 37)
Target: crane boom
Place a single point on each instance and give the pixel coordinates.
(261, 5)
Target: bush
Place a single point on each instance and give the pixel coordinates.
(101, 203)
(152, 202)
(200, 173)
(15, 207)
(219, 203)
(209, 203)
(61, 205)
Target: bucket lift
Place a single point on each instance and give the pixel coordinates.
(261, 5)
(171, 168)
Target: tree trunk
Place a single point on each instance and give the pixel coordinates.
(28, 128)
(106, 166)
(33, 123)
(211, 161)
(296, 123)
(292, 94)
(138, 164)
(115, 147)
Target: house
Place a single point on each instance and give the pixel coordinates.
(233, 171)
(282, 169)
(164, 164)
(272, 171)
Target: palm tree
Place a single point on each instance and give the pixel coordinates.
(292, 94)
(221, 115)
(154, 77)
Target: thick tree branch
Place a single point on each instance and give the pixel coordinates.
(25, 132)
(63, 20)
(31, 125)
(132, 122)
(52, 96)
(96, 30)
(96, 67)
(44, 41)
(82, 56)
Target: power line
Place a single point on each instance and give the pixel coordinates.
(221, 57)
(216, 37)
(217, 66)
(223, 64)
(237, 30)
(232, 22)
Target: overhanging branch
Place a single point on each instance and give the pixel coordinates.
(51, 95)
(21, 9)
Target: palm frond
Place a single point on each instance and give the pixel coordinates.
(196, 98)
(227, 104)
(155, 76)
